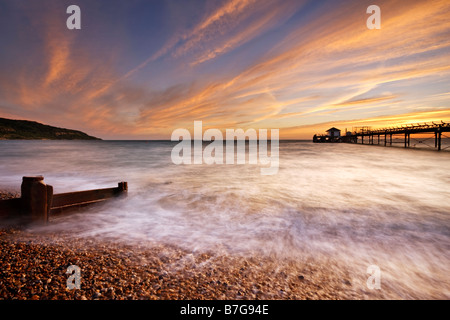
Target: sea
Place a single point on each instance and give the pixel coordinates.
(363, 207)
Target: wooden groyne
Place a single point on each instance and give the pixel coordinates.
(384, 136)
(38, 203)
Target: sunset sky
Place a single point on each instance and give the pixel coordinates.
(139, 69)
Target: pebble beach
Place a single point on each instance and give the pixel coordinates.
(34, 266)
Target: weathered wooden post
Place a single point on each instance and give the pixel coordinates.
(122, 188)
(36, 199)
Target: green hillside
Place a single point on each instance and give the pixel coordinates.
(31, 130)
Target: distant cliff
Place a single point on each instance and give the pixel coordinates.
(30, 130)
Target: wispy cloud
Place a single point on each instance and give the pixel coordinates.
(335, 57)
(363, 101)
(265, 63)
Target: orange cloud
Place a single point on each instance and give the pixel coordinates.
(334, 58)
(59, 60)
(349, 43)
(323, 70)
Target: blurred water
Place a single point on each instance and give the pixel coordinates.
(352, 204)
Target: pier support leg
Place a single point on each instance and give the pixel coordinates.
(36, 199)
(390, 142)
(435, 139)
(385, 137)
(439, 140)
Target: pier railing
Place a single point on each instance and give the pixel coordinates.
(37, 202)
(434, 128)
(417, 128)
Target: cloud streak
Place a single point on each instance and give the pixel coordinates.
(259, 64)
(324, 63)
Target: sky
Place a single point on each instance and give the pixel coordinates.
(139, 69)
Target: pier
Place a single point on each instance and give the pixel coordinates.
(385, 136)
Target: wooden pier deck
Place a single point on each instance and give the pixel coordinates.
(384, 136)
(406, 131)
